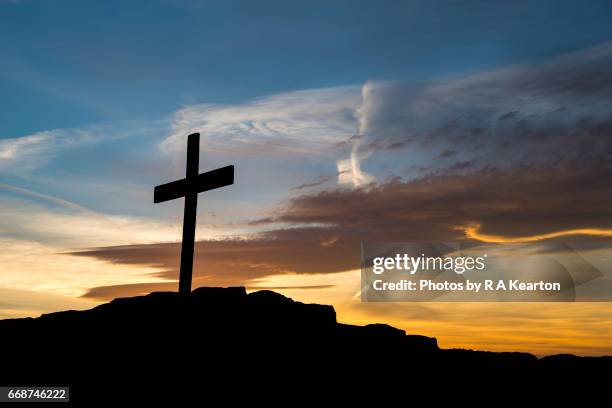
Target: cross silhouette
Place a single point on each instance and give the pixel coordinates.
(189, 187)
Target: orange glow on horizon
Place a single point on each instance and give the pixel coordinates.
(473, 233)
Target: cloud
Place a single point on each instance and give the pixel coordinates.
(24, 154)
(238, 261)
(46, 197)
(307, 122)
(62, 226)
(511, 202)
(27, 152)
(320, 180)
(329, 226)
(104, 293)
(349, 170)
(553, 111)
(446, 154)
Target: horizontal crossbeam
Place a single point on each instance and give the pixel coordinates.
(210, 180)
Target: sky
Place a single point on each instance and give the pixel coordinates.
(346, 121)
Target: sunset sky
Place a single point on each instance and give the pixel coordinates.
(347, 121)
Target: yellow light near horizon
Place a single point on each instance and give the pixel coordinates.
(473, 232)
(538, 328)
(31, 266)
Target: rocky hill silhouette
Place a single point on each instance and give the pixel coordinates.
(221, 338)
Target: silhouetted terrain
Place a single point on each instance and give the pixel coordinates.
(223, 338)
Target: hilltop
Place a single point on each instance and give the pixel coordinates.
(226, 336)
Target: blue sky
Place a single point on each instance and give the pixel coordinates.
(71, 63)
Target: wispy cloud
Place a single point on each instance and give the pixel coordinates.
(319, 181)
(301, 122)
(74, 227)
(349, 170)
(25, 154)
(46, 197)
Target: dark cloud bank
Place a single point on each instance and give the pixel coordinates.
(519, 151)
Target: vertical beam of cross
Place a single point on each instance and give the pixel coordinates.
(189, 187)
(189, 214)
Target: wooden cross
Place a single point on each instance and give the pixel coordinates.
(189, 187)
